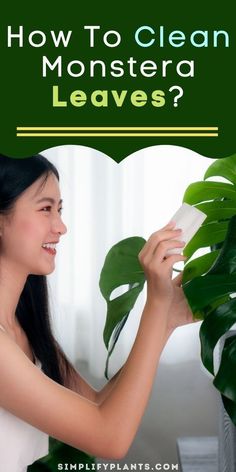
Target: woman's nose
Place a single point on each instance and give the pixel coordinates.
(63, 228)
(58, 226)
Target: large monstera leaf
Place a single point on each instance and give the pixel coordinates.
(121, 268)
(218, 201)
(209, 280)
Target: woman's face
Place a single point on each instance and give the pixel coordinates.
(33, 228)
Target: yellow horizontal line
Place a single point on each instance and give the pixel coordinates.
(116, 134)
(117, 128)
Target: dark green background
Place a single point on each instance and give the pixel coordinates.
(209, 98)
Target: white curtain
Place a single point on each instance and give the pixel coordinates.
(105, 202)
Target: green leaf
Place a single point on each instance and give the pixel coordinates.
(215, 303)
(213, 327)
(198, 266)
(119, 308)
(226, 261)
(207, 235)
(201, 291)
(121, 267)
(225, 167)
(203, 191)
(225, 380)
(115, 337)
(217, 210)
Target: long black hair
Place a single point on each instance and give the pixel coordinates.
(32, 312)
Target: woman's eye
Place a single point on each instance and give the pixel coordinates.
(47, 208)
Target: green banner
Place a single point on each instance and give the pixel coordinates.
(118, 77)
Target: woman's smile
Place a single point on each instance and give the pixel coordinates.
(50, 248)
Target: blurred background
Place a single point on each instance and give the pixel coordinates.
(104, 202)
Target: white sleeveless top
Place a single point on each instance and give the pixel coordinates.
(20, 443)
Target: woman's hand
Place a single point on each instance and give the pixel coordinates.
(180, 312)
(158, 266)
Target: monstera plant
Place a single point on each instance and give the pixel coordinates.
(209, 280)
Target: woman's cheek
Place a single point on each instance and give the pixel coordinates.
(29, 228)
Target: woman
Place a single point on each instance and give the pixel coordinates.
(41, 393)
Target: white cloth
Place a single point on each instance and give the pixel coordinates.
(20, 443)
